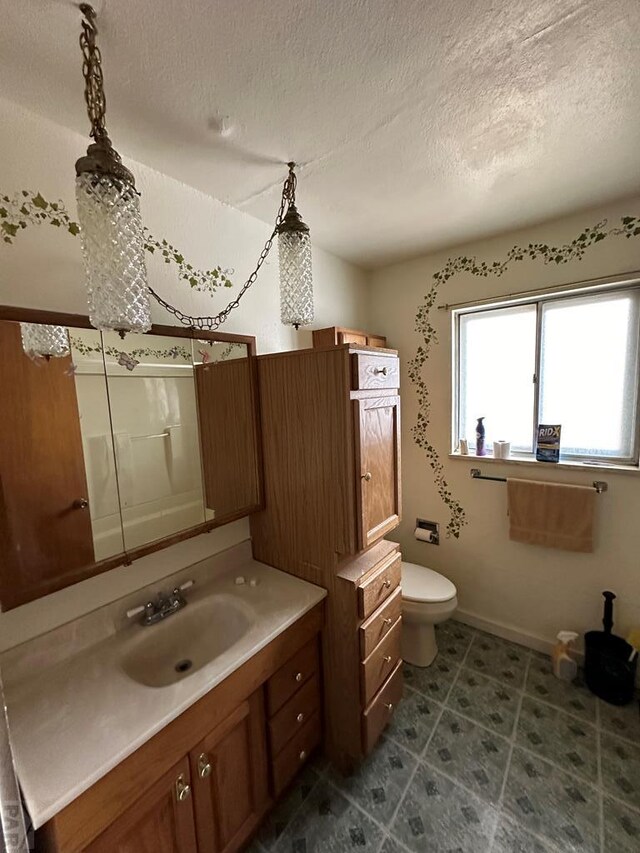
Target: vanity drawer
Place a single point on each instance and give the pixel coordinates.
(370, 372)
(292, 676)
(378, 586)
(378, 624)
(376, 717)
(295, 753)
(380, 663)
(294, 714)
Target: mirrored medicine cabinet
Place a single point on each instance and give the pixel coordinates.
(116, 447)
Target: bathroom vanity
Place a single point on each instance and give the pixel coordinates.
(113, 755)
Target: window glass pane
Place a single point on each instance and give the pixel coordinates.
(589, 354)
(497, 363)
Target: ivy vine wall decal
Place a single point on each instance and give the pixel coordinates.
(574, 251)
(28, 208)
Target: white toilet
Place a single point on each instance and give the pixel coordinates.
(427, 599)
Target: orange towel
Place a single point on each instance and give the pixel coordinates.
(551, 514)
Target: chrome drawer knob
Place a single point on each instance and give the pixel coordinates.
(389, 707)
(182, 789)
(387, 658)
(378, 370)
(298, 676)
(387, 584)
(300, 718)
(80, 503)
(367, 476)
(303, 755)
(387, 621)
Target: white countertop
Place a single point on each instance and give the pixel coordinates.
(76, 720)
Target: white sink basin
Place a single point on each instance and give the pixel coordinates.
(182, 644)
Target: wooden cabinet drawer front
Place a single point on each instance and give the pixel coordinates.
(295, 753)
(379, 712)
(294, 714)
(349, 337)
(292, 676)
(375, 371)
(381, 662)
(376, 341)
(376, 588)
(379, 623)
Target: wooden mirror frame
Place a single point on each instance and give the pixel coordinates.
(127, 557)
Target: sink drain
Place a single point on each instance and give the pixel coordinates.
(184, 665)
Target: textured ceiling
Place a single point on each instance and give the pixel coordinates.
(418, 123)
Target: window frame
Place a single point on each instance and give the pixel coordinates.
(537, 301)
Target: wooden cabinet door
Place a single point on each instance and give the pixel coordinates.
(161, 821)
(229, 769)
(377, 436)
(44, 532)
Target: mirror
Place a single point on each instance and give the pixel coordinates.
(111, 447)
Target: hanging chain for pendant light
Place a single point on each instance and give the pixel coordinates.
(210, 324)
(92, 72)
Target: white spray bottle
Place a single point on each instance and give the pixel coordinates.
(564, 666)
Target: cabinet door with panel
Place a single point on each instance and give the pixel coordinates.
(230, 773)
(161, 821)
(377, 452)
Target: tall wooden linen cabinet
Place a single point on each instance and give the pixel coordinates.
(330, 423)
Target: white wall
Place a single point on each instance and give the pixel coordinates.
(43, 269)
(531, 590)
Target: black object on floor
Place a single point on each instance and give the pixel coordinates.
(608, 671)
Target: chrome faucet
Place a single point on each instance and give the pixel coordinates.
(163, 606)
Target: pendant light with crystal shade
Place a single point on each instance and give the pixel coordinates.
(294, 253)
(108, 212)
(39, 340)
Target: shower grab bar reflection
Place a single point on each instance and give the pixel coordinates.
(599, 485)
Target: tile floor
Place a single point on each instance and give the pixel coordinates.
(487, 752)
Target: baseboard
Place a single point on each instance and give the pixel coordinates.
(506, 632)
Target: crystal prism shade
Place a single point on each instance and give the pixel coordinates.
(46, 341)
(113, 250)
(296, 283)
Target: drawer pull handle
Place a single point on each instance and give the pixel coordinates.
(387, 621)
(298, 676)
(387, 658)
(389, 707)
(300, 717)
(182, 789)
(303, 755)
(382, 370)
(367, 476)
(204, 766)
(387, 584)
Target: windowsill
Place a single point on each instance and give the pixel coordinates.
(565, 464)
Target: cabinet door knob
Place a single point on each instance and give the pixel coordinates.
(80, 503)
(182, 789)
(298, 676)
(300, 717)
(387, 658)
(303, 755)
(387, 584)
(366, 476)
(378, 370)
(389, 707)
(387, 622)
(204, 766)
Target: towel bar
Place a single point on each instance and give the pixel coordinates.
(599, 485)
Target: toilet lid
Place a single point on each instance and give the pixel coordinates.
(422, 584)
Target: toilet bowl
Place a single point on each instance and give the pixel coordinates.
(428, 598)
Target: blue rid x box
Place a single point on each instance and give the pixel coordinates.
(548, 445)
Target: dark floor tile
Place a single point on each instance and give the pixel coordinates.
(489, 702)
(512, 838)
(436, 815)
(380, 781)
(621, 828)
(277, 820)
(552, 804)
(434, 681)
(623, 721)
(328, 823)
(560, 737)
(413, 721)
(470, 754)
(573, 697)
(498, 658)
(620, 760)
(453, 639)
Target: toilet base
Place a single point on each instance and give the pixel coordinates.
(418, 643)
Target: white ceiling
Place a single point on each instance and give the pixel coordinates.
(418, 123)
